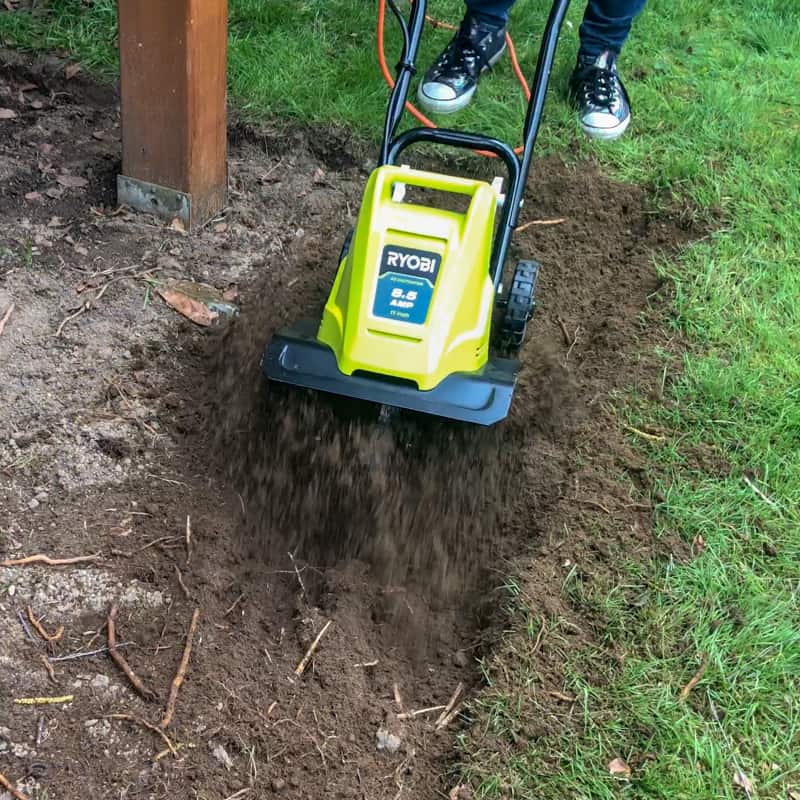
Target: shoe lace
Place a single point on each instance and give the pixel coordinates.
(598, 86)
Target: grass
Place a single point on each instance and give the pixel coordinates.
(717, 123)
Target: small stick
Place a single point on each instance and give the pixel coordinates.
(188, 540)
(181, 674)
(234, 604)
(567, 698)
(83, 309)
(541, 222)
(449, 717)
(86, 654)
(368, 663)
(587, 502)
(50, 562)
(301, 667)
(695, 679)
(768, 500)
(26, 627)
(440, 722)
(49, 667)
(398, 698)
(299, 579)
(574, 342)
(145, 724)
(564, 331)
(40, 731)
(240, 793)
(119, 659)
(272, 707)
(649, 436)
(48, 637)
(44, 701)
(419, 712)
(6, 784)
(182, 584)
(6, 318)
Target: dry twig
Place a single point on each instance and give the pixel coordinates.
(48, 637)
(8, 786)
(86, 654)
(299, 579)
(301, 667)
(234, 604)
(695, 679)
(651, 437)
(181, 674)
(182, 584)
(419, 712)
(541, 222)
(119, 659)
(6, 318)
(188, 540)
(768, 500)
(26, 627)
(47, 561)
(398, 698)
(49, 667)
(445, 716)
(145, 724)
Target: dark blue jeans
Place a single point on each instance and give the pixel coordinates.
(606, 23)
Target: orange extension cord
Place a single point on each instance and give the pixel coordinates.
(439, 24)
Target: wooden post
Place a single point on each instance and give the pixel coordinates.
(173, 68)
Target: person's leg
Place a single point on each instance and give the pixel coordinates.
(490, 12)
(451, 81)
(606, 25)
(595, 86)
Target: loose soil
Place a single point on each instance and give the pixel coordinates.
(133, 421)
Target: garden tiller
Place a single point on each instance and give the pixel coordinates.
(408, 323)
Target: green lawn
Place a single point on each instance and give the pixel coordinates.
(717, 122)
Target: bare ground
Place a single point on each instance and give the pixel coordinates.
(120, 421)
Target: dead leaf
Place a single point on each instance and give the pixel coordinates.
(99, 135)
(28, 87)
(80, 250)
(33, 196)
(190, 308)
(177, 225)
(54, 193)
(71, 70)
(698, 544)
(619, 767)
(72, 181)
(220, 227)
(46, 148)
(231, 294)
(7, 113)
(460, 792)
(743, 782)
(38, 105)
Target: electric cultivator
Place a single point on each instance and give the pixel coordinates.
(409, 320)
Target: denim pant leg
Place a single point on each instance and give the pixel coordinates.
(490, 12)
(606, 25)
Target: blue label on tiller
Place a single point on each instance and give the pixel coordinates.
(405, 284)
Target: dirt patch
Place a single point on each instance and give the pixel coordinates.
(132, 420)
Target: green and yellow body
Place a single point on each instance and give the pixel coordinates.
(412, 303)
(413, 297)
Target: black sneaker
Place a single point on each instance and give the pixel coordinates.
(602, 101)
(449, 84)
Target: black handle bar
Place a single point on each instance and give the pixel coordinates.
(518, 168)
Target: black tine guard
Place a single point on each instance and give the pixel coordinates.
(295, 357)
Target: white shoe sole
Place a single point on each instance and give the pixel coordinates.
(607, 134)
(434, 106)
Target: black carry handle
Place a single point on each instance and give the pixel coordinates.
(518, 168)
